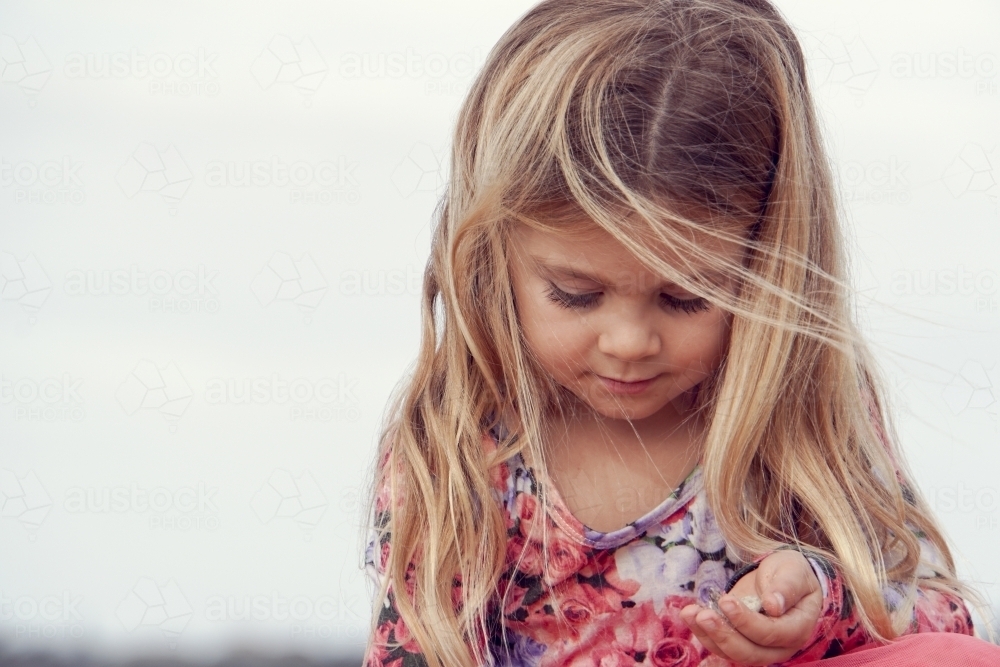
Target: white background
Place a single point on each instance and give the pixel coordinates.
(315, 284)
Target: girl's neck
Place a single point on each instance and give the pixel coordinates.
(674, 433)
(593, 460)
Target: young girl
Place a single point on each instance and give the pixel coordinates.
(643, 427)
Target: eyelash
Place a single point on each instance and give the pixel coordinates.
(584, 301)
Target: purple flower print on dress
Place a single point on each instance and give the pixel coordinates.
(711, 575)
(893, 596)
(705, 534)
(661, 574)
(639, 561)
(680, 562)
(525, 652)
(673, 532)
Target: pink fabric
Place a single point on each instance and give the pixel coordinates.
(931, 649)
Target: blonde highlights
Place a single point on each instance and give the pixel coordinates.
(660, 121)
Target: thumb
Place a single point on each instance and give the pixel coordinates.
(783, 579)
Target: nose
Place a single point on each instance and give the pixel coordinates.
(629, 339)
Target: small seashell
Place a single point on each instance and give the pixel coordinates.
(752, 602)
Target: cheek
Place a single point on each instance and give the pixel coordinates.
(707, 342)
(555, 336)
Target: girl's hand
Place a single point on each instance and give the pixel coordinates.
(792, 599)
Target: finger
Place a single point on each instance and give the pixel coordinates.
(783, 579)
(790, 630)
(733, 645)
(688, 615)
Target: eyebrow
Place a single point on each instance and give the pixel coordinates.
(569, 272)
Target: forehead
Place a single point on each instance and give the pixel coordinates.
(596, 253)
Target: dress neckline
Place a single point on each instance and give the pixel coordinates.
(591, 537)
(584, 534)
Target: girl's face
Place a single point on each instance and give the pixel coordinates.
(592, 314)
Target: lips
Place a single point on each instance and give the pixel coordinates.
(621, 387)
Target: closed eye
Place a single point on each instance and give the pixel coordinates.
(589, 300)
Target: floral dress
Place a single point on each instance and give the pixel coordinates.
(621, 592)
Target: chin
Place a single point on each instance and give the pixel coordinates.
(627, 412)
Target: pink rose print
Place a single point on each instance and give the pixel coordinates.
(657, 639)
(602, 562)
(404, 637)
(639, 629)
(922, 619)
(565, 557)
(379, 652)
(383, 557)
(671, 616)
(526, 509)
(500, 473)
(674, 652)
(382, 498)
(603, 656)
(584, 612)
(580, 603)
(530, 562)
(595, 647)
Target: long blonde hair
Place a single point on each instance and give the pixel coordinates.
(629, 114)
